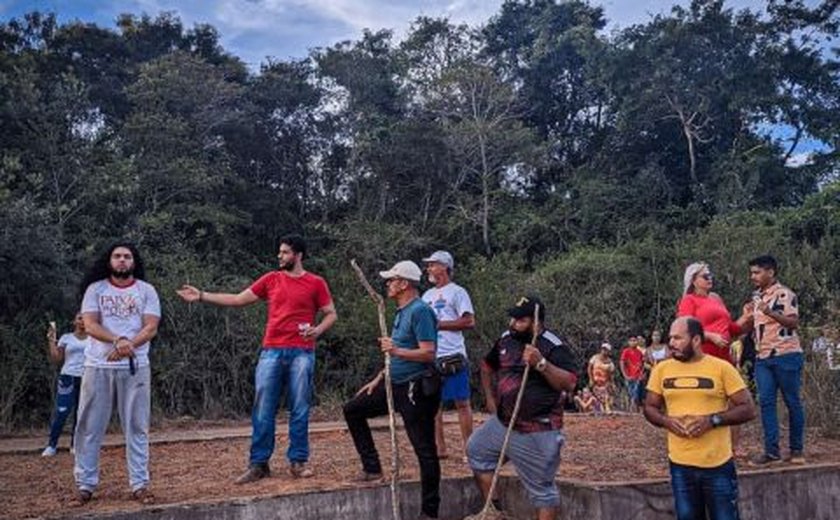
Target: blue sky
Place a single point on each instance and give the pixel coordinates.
(255, 29)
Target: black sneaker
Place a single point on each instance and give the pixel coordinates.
(255, 472)
(764, 460)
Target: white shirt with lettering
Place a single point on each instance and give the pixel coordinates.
(74, 354)
(449, 302)
(121, 311)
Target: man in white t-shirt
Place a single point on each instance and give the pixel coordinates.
(121, 314)
(455, 314)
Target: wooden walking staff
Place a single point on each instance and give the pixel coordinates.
(389, 393)
(489, 512)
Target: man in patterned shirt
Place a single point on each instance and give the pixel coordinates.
(778, 367)
(537, 434)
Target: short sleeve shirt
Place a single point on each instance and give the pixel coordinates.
(413, 323)
(770, 334)
(74, 354)
(293, 302)
(449, 303)
(633, 360)
(697, 388)
(121, 311)
(542, 405)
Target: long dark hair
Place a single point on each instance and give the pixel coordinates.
(101, 267)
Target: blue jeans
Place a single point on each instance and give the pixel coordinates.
(66, 401)
(774, 374)
(701, 490)
(278, 368)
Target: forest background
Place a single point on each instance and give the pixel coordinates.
(546, 154)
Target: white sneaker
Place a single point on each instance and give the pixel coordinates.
(49, 451)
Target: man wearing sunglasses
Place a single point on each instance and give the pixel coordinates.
(416, 391)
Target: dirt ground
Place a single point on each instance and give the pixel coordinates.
(614, 448)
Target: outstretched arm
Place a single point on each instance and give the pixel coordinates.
(191, 294)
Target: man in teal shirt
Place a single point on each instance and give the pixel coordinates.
(412, 350)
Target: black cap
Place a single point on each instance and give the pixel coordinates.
(525, 307)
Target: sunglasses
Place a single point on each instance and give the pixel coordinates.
(707, 276)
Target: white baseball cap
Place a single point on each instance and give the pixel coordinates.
(405, 269)
(606, 346)
(442, 257)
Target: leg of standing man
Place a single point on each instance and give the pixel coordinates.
(418, 413)
(134, 405)
(456, 388)
(301, 368)
(790, 382)
(766, 381)
(268, 385)
(94, 415)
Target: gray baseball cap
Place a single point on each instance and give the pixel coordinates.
(442, 257)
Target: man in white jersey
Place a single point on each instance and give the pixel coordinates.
(121, 314)
(454, 311)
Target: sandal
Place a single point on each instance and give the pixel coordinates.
(144, 496)
(83, 496)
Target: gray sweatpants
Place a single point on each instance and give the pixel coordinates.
(133, 396)
(535, 456)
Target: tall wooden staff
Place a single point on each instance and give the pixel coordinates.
(489, 511)
(389, 392)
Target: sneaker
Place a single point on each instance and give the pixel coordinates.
(49, 451)
(255, 472)
(796, 457)
(364, 476)
(300, 470)
(764, 460)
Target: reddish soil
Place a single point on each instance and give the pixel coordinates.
(615, 448)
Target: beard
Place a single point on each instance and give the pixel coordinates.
(287, 266)
(523, 337)
(685, 355)
(122, 274)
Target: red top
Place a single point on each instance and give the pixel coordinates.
(292, 302)
(714, 316)
(633, 361)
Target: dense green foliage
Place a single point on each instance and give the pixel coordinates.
(548, 156)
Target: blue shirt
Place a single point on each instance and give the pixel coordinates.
(413, 323)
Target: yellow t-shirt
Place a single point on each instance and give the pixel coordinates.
(697, 388)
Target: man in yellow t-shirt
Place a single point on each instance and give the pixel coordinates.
(688, 395)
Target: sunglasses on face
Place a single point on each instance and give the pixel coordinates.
(707, 276)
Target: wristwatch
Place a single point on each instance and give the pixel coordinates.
(541, 364)
(716, 420)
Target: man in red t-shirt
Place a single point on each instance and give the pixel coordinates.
(632, 364)
(294, 298)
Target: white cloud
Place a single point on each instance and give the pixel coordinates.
(800, 159)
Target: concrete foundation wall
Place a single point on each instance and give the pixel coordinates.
(808, 493)
(805, 493)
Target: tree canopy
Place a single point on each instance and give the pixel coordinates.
(544, 152)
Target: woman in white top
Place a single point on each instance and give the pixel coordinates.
(69, 348)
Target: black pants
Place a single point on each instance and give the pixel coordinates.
(418, 413)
